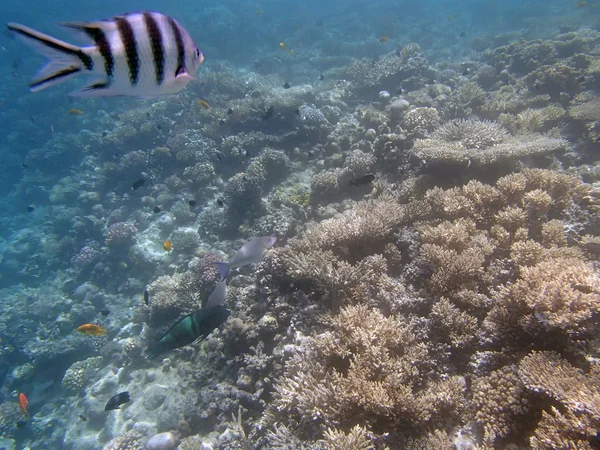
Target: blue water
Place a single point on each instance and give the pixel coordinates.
(66, 179)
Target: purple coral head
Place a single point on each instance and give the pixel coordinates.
(120, 233)
(86, 256)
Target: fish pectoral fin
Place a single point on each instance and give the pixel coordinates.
(200, 339)
(99, 88)
(182, 74)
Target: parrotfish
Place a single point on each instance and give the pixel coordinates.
(217, 296)
(194, 327)
(251, 252)
(142, 54)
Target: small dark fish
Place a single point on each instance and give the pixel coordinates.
(30, 208)
(156, 210)
(462, 34)
(221, 122)
(138, 184)
(32, 119)
(115, 154)
(82, 417)
(24, 165)
(21, 423)
(297, 112)
(104, 133)
(321, 77)
(319, 23)
(399, 91)
(244, 178)
(269, 113)
(146, 297)
(194, 327)
(581, 79)
(192, 203)
(148, 115)
(230, 111)
(466, 71)
(220, 202)
(159, 127)
(287, 85)
(105, 312)
(365, 179)
(117, 400)
(219, 156)
(257, 65)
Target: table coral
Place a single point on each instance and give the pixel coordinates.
(472, 143)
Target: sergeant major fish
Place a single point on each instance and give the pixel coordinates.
(139, 54)
(251, 252)
(194, 327)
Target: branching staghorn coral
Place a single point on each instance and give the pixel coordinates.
(363, 371)
(500, 269)
(355, 231)
(574, 421)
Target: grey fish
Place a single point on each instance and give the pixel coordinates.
(217, 296)
(139, 54)
(251, 252)
(194, 327)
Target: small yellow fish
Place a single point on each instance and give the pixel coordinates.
(292, 52)
(91, 329)
(283, 46)
(168, 245)
(203, 103)
(384, 39)
(451, 18)
(581, 4)
(75, 112)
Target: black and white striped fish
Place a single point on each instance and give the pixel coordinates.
(139, 54)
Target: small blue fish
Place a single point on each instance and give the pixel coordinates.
(252, 251)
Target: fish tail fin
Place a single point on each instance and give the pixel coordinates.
(223, 269)
(65, 60)
(149, 353)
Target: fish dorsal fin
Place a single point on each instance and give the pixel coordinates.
(87, 31)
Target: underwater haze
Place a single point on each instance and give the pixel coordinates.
(340, 225)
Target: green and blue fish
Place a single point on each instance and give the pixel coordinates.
(194, 327)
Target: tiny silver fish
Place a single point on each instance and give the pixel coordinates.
(142, 54)
(251, 252)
